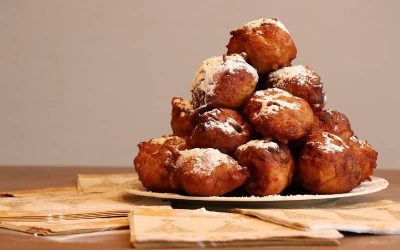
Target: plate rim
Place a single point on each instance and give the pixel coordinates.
(269, 198)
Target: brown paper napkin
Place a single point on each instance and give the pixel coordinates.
(51, 191)
(79, 206)
(380, 217)
(63, 227)
(98, 183)
(165, 228)
(99, 205)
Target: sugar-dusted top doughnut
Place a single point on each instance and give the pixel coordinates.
(265, 21)
(266, 42)
(223, 81)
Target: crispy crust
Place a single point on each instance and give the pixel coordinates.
(365, 156)
(272, 114)
(327, 165)
(182, 117)
(268, 47)
(334, 122)
(223, 129)
(232, 83)
(271, 166)
(154, 161)
(306, 85)
(220, 177)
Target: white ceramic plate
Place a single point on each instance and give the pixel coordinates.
(367, 187)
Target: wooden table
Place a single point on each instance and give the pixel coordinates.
(13, 178)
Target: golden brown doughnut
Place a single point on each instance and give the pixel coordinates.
(300, 81)
(327, 164)
(154, 161)
(278, 114)
(182, 120)
(207, 172)
(365, 156)
(270, 164)
(266, 42)
(334, 122)
(223, 82)
(223, 129)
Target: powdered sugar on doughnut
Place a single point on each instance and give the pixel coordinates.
(204, 160)
(226, 126)
(259, 144)
(285, 75)
(262, 21)
(329, 145)
(272, 102)
(204, 82)
(363, 144)
(329, 111)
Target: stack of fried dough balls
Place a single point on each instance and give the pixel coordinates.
(257, 123)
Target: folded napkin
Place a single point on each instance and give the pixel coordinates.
(63, 227)
(78, 206)
(157, 227)
(98, 204)
(39, 192)
(379, 217)
(99, 183)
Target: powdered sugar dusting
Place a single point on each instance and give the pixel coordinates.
(204, 83)
(204, 160)
(272, 101)
(259, 144)
(329, 145)
(363, 144)
(329, 111)
(262, 21)
(300, 73)
(225, 126)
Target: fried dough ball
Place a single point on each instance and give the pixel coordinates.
(223, 81)
(327, 165)
(300, 81)
(271, 166)
(266, 42)
(154, 161)
(182, 120)
(334, 122)
(365, 157)
(278, 114)
(207, 172)
(223, 129)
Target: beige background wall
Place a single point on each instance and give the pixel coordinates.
(82, 82)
